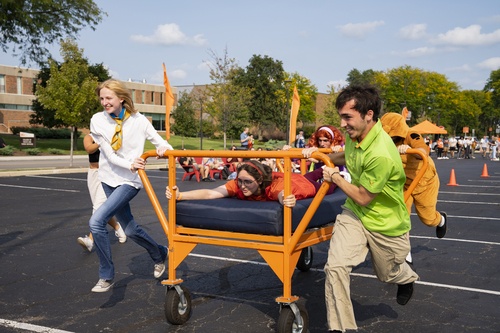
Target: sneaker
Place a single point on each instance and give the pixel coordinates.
(102, 286)
(122, 238)
(86, 243)
(405, 292)
(441, 231)
(160, 268)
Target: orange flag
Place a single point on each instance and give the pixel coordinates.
(169, 101)
(293, 115)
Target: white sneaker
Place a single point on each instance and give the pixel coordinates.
(102, 286)
(122, 238)
(160, 268)
(86, 243)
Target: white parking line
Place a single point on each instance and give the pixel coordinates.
(40, 188)
(29, 327)
(62, 178)
(439, 285)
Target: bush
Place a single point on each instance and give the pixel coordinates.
(7, 151)
(55, 151)
(33, 151)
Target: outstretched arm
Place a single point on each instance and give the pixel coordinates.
(216, 193)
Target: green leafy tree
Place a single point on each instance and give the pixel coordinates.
(355, 77)
(330, 115)
(307, 93)
(483, 101)
(265, 78)
(228, 102)
(70, 91)
(27, 26)
(46, 117)
(428, 95)
(184, 115)
(493, 86)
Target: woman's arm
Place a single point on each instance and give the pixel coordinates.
(89, 144)
(216, 193)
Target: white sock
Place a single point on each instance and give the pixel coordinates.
(409, 258)
(442, 221)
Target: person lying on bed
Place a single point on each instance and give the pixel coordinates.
(256, 181)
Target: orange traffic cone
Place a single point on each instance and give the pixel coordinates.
(485, 171)
(453, 181)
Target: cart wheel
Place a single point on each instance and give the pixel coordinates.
(287, 322)
(177, 305)
(306, 259)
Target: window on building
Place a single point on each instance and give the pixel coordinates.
(2, 84)
(161, 98)
(157, 120)
(143, 97)
(19, 85)
(153, 97)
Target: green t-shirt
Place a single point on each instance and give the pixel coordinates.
(376, 165)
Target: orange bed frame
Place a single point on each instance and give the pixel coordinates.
(281, 253)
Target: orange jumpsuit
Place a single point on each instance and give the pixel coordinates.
(425, 195)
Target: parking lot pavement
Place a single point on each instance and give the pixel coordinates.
(46, 277)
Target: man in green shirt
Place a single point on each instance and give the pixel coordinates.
(374, 218)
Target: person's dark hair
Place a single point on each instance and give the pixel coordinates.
(365, 98)
(259, 171)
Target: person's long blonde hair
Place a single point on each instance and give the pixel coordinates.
(121, 92)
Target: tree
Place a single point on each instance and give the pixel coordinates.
(185, 123)
(70, 91)
(330, 115)
(429, 95)
(307, 93)
(27, 25)
(228, 103)
(46, 117)
(362, 78)
(493, 86)
(265, 78)
(484, 110)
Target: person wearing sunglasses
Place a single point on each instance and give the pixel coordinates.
(257, 182)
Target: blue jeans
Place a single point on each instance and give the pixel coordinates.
(118, 204)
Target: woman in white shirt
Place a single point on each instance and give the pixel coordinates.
(120, 130)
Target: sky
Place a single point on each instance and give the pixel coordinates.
(322, 40)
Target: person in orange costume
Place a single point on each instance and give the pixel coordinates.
(424, 196)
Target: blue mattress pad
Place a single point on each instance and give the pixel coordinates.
(254, 217)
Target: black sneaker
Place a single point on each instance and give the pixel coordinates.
(405, 292)
(441, 231)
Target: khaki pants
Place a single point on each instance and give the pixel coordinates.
(349, 246)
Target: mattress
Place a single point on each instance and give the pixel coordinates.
(254, 217)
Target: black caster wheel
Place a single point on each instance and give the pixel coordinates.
(288, 322)
(305, 260)
(177, 305)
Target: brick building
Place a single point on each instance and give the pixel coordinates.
(16, 96)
